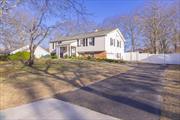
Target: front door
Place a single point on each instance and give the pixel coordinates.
(73, 51)
(61, 52)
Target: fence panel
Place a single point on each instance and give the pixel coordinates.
(152, 58)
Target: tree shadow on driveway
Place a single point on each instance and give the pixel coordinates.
(134, 95)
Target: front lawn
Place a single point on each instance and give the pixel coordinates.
(171, 96)
(20, 84)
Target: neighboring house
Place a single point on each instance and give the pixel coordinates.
(5, 52)
(39, 51)
(99, 44)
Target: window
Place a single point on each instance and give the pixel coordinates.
(118, 43)
(114, 42)
(91, 41)
(59, 42)
(81, 43)
(118, 55)
(111, 41)
(53, 45)
(84, 42)
(78, 42)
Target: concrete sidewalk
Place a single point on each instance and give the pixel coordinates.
(52, 109)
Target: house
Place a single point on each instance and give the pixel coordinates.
(99, 44)
(39, 51)
(5, 52)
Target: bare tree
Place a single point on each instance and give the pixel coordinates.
(156, 20)
(129, 26)
(38, 31)
(6, 5)
(131, 29)
(12, 33)
(175, 26)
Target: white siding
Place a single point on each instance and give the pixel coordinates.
(40, 52)
(112, 51)
(51, 47)
(99, 45)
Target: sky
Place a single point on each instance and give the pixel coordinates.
(102, 9)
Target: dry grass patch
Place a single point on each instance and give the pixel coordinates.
(171, 96)
(20, 84)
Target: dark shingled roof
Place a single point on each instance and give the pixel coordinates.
(84, 35)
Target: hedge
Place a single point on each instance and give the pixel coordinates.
(19, 56)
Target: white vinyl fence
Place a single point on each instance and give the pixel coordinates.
(152, 58)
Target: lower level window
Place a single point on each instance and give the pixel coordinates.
(118, 55)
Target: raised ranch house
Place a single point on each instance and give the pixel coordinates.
(99, 44)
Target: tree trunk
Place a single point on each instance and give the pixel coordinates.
(30, 61)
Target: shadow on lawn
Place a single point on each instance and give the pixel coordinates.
(32, 96)
(142, 80)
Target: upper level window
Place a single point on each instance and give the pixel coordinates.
(53, 45)
(118, 43)
(114, 42)
(111, 41)
(78, 42)
(91, 41)
(59, 42)
(84, 42)
(81, 43)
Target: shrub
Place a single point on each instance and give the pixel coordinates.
(54, 56)
(109, 60)
(3, 57)
(20, 56)
(90, 58)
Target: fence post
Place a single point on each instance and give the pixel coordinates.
(164, 59)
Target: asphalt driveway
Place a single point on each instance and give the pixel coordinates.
(134, 95)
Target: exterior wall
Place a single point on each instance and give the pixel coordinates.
(40, 52)
(99, 45)
(101, 54)
(51, 47)
(112, 51)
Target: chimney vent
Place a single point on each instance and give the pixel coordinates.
(96, 30)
